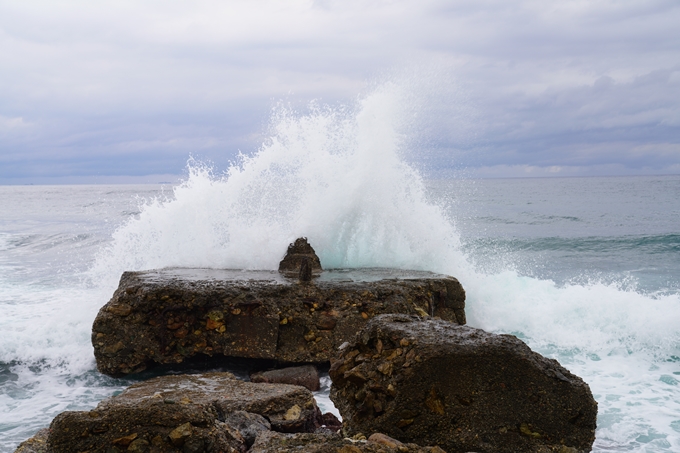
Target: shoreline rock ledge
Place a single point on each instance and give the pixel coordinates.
(169, 316)
(211, 412)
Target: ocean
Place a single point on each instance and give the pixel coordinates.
(584, 270)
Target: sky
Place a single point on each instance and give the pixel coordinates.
(128, 91)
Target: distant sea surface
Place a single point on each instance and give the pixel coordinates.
(585, 270)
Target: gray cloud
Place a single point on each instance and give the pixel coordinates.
(134, 88)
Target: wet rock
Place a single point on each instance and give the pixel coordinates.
(211, 412)
(433, 382)
(36, 444)
(171, 315)
(306, 376)
(179, 435)
(331, 422)
(328, 443)
(248, 424)
(382, 439)
(305, 271)
(300, 260)
(138, 446)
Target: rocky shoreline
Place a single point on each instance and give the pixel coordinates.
(407, 375)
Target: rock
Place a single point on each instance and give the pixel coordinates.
(178, 435)
(169, 316)
(379, 438)
(306, 376)
(248, 424)
(300, 256)
(36, 444)
(138, 446)
(211, 412)
(271, 442)
(433, 382)
(305, 271)
(331, 422)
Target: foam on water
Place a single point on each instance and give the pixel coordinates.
(46, 361)
(338, 177)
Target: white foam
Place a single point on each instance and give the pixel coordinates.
(333, 176)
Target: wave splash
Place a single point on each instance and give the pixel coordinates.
(335, 176)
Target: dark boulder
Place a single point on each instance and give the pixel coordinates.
(331, 422)
(300, 260)
(187, 413)
(433, 382)
(170, 316)
(306, 376)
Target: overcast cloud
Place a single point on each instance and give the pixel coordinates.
(128, 90)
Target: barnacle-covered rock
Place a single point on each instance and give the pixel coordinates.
(433, 382)
(171, 316)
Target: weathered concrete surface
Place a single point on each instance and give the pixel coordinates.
(188, 413)
(433, 382)
(306, 376)
(329, 443)
(170, 315)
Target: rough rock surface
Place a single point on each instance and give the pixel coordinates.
(329, 443)
(171, 315)
(299, 253)
(433, 382)
(306, 376)
(187, 413)
(36, 444)
(331, 422)
(248, 424)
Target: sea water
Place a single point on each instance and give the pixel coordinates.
(585, 270)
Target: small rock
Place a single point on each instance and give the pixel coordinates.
(297, 253)
(138, 446)
(124, 441)
(293, 413)
(327, 320)
(379, 438)
(194, 445)
(120, 309)
(306, 376)
(331, 422)
(248, 424)
(180, 434)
